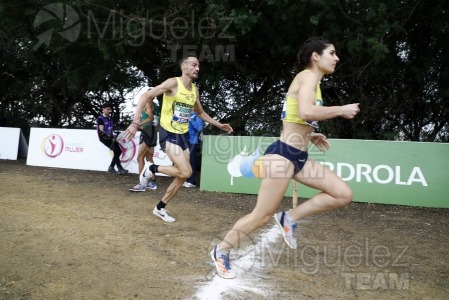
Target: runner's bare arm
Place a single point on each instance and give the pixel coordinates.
(165, 87)
(198, 108)
(307, 109)
(149, 110)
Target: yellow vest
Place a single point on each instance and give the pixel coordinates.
(175, 113)
(290, 110)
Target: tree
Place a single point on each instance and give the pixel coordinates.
(393, 60)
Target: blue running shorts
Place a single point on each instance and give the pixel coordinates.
(296, 156)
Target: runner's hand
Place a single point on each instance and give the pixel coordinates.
(320, 140)
(227, 128)
(350, 110)
(130, 132)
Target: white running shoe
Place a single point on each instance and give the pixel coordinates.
(287, 228)
(163, 214)
(145, 174)
(188, 185)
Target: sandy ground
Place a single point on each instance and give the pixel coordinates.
(72, 234)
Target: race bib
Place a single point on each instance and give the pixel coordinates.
(181, 114)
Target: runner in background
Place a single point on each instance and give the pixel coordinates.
(149, 121)
(180, 98)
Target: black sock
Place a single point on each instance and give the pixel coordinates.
(160, 205)
(153, 168)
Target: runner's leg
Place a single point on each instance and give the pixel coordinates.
(181, 169)
(335, 192)
(279, 172)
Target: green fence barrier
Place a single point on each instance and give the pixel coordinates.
(403, 173)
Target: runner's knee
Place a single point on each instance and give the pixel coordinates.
(185, 173)
(343, 196)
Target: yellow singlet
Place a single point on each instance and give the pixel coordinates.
(290, 110)
(175, 113)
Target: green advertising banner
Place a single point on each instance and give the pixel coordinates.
(402, 173)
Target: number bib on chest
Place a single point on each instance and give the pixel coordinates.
(181, 114)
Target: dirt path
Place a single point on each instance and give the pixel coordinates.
(70, 234)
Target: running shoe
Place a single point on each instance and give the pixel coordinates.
(287, 228)
(112, 170)
(163, 214)
(137, 188)
(188, 185)
(145, 174)
(152, 185)
(121, 170)
(222, 264)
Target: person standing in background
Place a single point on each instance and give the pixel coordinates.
(105, 131)
(196, 126)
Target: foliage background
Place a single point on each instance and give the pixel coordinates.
(393, 60)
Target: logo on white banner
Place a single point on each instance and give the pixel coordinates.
(128, 148)
(52, 145)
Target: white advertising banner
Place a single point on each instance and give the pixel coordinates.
(13, 143)
(81, 149)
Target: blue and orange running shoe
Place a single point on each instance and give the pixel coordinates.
(287, 227)
(222, 264)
